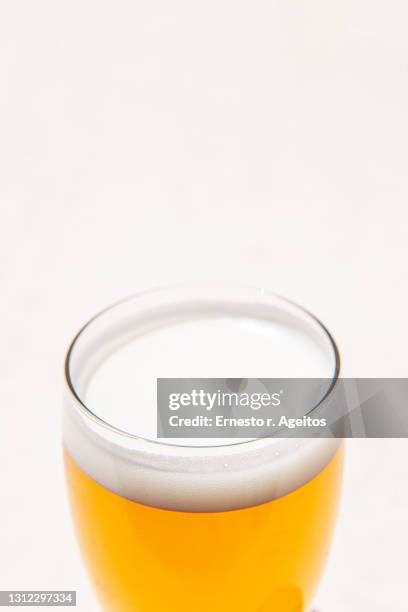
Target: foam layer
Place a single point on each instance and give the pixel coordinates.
(122, 391)
(114, 365)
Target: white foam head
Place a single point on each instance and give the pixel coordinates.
(190, 332)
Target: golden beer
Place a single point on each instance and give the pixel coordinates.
(176, 526)
(267, 558)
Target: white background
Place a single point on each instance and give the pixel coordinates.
(147, 143)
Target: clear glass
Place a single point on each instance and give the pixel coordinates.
(243, 526)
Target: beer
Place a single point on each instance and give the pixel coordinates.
(264, 558)
(182, 525)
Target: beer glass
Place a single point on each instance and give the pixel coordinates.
(196, 525)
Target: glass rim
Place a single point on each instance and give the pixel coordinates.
(261, 291)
